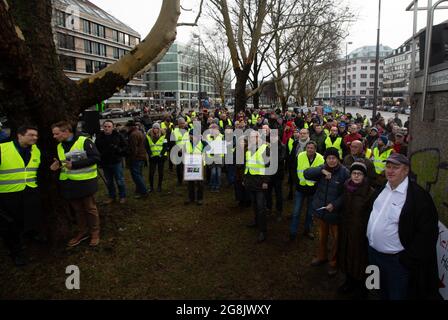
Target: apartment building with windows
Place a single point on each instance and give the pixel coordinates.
(175, 82)
(397, 72)
(89, 39)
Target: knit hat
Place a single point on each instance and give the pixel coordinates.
(331, 152)
(156, 125)
(359, 166)
(385, 140)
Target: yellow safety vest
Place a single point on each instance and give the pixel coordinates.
(379, 160)
(181, 139)
(197, 149)
(14, 176)
(221, 123)
(188, 119)
(255, 118)
(303, 163)
(290, 144)
(255, 163)
(86, 173)
(368, 153)
(156, 148)
(306, 126)
(210, 138)
(337, 144)
(366, 122)
(164, 126)
(327, 132)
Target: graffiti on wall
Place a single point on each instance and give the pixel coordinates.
(432, 174)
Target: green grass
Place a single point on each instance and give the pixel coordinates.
(158, 248)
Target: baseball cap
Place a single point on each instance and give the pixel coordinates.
(398, 158)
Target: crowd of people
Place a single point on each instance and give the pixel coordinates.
(350, 173)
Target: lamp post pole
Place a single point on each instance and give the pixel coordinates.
(345, 78)
(377, 62)
(199, 74)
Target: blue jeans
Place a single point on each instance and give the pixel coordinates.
(115, 172)
(231, 173)
(394, 277)
(215, 176)
(137, 176)
(298, 201)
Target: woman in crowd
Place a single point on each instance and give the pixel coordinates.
(352, 260)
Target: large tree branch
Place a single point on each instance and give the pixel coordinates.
(105, 83)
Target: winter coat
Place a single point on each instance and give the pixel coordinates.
(111, 147)
(136, 140)
(328, 191)
(353, 243)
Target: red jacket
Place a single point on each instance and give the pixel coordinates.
(349, 138)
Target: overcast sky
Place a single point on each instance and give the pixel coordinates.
(396, 23)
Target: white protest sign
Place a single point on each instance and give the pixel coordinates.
(193, 167)
(442, 260)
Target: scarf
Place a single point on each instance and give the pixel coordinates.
(351, 186)
(301, 146)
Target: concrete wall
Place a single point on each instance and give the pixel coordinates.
(429, 131)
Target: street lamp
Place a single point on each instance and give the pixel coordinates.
(197, 36)
(345, 78)
(377, 62)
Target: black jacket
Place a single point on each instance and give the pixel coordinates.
(112, 147)
(418, 231)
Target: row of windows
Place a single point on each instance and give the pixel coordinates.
(353, 92)
(67, 63)
(95, 48)
(95, 66)
(62, 19)
(66, 41)
(362, 84)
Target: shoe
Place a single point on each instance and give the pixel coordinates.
(316, 262)
(122, 200)
(94, 240)
(150, 190)
(109, 201)
(309, 235)
(261, 237)
(20, 259)
(251, 225)
(159, 189)
(77, 240)
(199, 202)
(332, 271)
(141, 196)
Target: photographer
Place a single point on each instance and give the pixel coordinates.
(112, 147)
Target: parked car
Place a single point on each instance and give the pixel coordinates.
(393, 109)
(408, 110)
(113, 113)
(133, 113)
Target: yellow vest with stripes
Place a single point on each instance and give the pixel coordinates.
(156, 148)
(379, 160)
(86, 173)
(255, 163)
(14, 175)
(303, 163)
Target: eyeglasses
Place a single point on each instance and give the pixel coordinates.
(357, 173)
